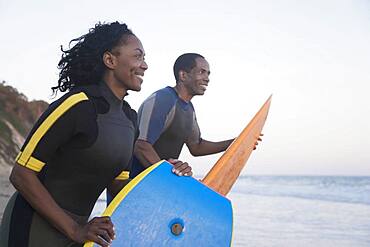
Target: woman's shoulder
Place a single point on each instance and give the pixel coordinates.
(77, 99)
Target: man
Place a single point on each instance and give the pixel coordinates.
(167, 119)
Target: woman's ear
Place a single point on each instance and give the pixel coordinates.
(109, 60)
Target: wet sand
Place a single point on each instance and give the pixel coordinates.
(6, 189)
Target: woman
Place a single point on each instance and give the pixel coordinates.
(81, 145)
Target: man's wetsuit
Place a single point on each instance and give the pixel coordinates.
(166, 122)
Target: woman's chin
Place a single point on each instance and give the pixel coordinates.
(136, 88)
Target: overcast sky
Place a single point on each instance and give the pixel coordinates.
(313, 56)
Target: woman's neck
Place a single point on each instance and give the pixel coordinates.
(116, 87)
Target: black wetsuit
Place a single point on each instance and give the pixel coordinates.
(79, 146)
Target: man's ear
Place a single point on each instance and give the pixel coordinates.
(109, 60)
(182, 75)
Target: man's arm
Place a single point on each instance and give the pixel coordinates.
(205, 147)
(145, 153)
(147, 156)
(116, 186)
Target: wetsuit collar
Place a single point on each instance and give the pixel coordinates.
(109, 95)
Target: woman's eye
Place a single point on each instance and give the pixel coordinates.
(139, 57)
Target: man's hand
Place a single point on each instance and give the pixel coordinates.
(180, 168)
(256, 143)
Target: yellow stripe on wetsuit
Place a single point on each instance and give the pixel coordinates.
(25, 158)
(123, 175)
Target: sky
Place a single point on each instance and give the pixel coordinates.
(313, 56)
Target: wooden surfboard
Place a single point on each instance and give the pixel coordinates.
(159, 208)
(227, 169)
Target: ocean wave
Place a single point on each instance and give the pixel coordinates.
(334, 189)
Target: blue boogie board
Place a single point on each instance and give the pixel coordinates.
(158, 208)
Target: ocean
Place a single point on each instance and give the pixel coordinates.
(299, 211)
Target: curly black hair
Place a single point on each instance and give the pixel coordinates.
(83, 63)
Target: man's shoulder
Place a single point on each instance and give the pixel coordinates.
(162, 96)
(167, 92)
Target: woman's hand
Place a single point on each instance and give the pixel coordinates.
(99, 230)
(180, 168)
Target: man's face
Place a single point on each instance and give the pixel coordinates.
(196, 81)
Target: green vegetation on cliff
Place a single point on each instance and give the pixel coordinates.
(17, 116)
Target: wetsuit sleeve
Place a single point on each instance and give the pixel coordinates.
(194, 136)
(54, 128)
(154, 115)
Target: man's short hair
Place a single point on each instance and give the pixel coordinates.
(185, 62)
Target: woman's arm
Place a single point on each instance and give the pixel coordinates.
(31, 188)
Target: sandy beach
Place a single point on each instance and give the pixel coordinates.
(6, 189)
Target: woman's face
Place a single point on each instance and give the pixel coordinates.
(130, 63)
